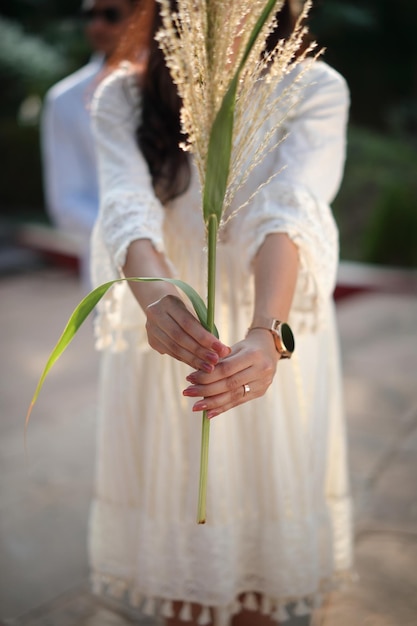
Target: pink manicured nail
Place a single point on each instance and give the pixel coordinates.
(212, 413)
(200, 406)
(207, 367)
(192, 378)
(190, 391)
(212, 357)
(218, 346)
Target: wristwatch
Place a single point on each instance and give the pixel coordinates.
(281, 332)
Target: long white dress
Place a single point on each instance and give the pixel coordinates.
(278, 509)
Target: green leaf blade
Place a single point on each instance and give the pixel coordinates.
(86, 306)
(266, 12)
(78, 316)
(221, 135)
(219, 154)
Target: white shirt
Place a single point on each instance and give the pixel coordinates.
(69, 163)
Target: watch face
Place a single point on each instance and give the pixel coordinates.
(287, 337)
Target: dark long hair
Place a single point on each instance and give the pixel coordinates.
(159, 133)
(287, 20)
(286, 23)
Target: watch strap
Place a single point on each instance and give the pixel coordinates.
(275, 327)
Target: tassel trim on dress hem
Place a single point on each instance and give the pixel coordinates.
(279, 610)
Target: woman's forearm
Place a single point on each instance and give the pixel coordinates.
(172, 329)
(252, 362)
(144, 260)
(275, 274)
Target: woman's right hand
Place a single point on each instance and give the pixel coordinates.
(172, 329)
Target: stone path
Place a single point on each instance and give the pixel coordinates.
(77, 607)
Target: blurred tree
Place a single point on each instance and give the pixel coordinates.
(391, 235)
(373, 44)
(377, 167)
(27, 63)
(24, 10)
(41, 41)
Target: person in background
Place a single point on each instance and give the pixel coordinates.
(69, 163)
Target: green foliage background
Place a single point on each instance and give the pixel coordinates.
(371, 42)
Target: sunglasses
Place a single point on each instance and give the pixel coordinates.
(111, 15)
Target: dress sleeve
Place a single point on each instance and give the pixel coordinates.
(129, 209)
(309, 165)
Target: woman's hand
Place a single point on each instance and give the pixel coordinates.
(172, 329)
(251, 362)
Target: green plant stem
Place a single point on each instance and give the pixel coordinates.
(205, 427)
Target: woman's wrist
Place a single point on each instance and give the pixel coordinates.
(264, 336)
(144, 260)
(280, 332)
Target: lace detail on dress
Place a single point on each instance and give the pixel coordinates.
(282, 207)
(279, 610)
(129, 209)
(114, 329)
(127, 216)
(294, 584)
(124, 218)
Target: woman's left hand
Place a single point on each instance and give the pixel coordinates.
(252, 363)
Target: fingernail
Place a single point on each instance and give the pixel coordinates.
(212, 357)
(218, 346)
(212, 413)
(192, 378)
(207, 367)
(190, 391)
(200, 406)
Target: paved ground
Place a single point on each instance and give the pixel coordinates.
(45, 494)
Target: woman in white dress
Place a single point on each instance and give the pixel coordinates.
(278, 529)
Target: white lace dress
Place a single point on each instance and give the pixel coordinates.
(278, 509)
